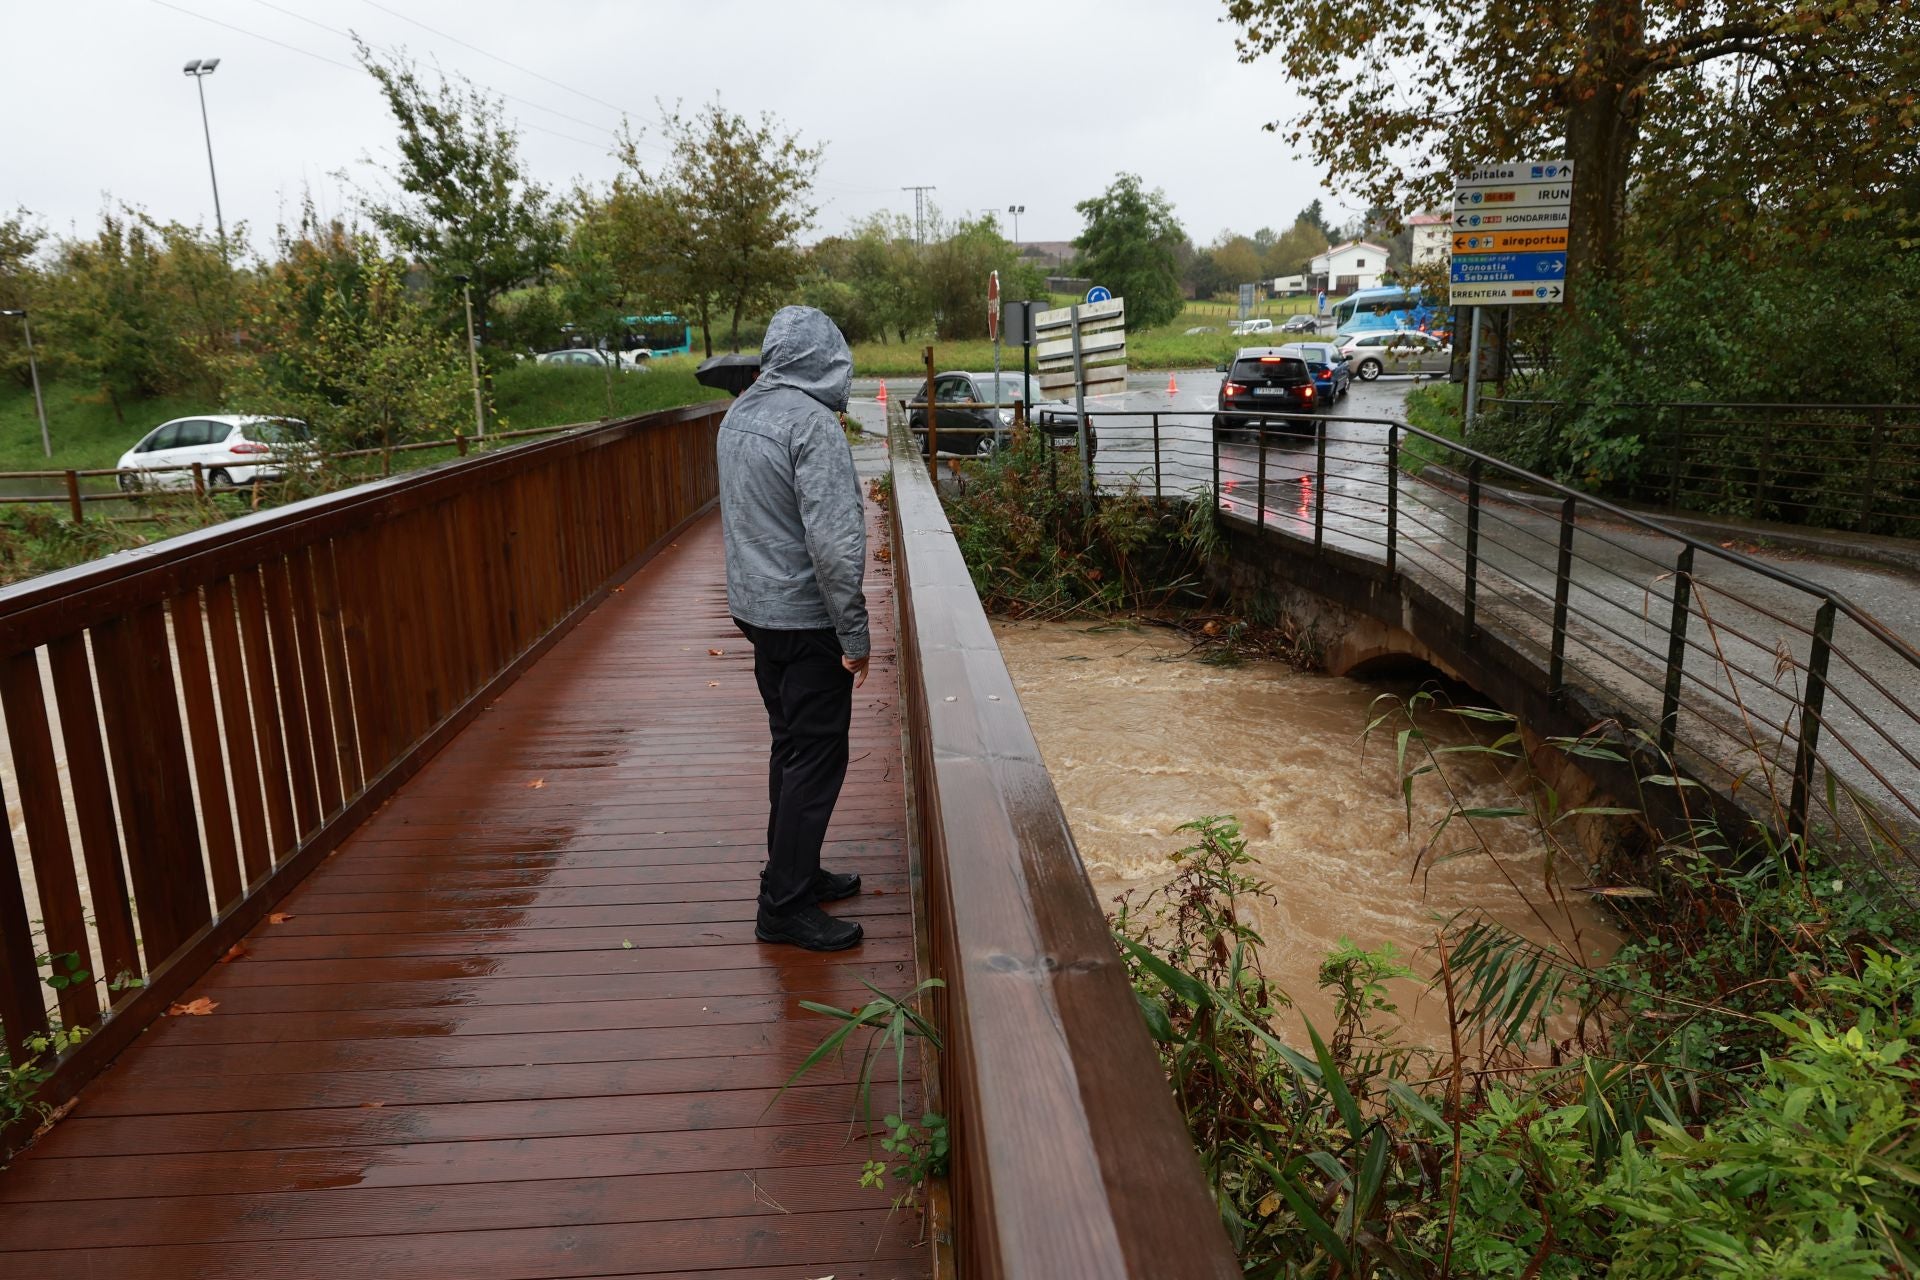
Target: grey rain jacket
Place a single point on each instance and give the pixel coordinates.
(790, 505)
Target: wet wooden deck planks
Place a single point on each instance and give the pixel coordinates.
(518, 1026)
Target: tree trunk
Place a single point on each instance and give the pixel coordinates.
(1603, 124)
(733, 335)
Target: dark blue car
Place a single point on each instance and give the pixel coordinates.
(1332, 374)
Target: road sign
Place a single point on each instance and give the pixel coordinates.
(1102, 343)
(1099, 293)
(1246, 301)
(1511, 223)
(1496, 175)
(1529, 195)
(1511, 242)
(1482, 219)
(1518, 293)
(1500, 268)
(993, 306)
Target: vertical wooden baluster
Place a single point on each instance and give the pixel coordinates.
(243, 761)
(45, 813)
(93, 806)
(305, 620)
(287, 683)
(23, 1010)
(333, 651)
(368, 666)
(151, 779)
(203, 734)
(251, 598)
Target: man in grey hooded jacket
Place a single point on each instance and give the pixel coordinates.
(796, 553)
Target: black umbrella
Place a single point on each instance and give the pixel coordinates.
(731, 373)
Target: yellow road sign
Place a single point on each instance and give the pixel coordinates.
(1509, 241)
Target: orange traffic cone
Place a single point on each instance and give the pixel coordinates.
(883, 391)
(1173, 388)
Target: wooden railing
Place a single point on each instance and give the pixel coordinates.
(1069, 1156)
(212, 714)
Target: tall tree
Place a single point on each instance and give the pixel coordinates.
(465, 203)
(1239, 259)
(1129, 245)
(20, 240)
(1496, 81)
(142, 308)
(742, 192)
(1315, 214)
(1301, 243)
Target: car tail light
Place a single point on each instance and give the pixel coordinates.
(248, 446)
(1231, 389)
(1309, 391)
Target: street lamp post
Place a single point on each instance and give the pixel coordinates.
(33, 369)
(473, 360)
(1016, 210)
(200, 69)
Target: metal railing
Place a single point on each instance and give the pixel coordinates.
(1852, 467)
(195, 724)
(1763, 683)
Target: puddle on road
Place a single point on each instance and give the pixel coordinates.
(1141, 738)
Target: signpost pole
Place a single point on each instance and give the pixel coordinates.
(1080, 411)
(1472, 408)
(993, 323)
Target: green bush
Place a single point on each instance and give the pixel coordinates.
(1742, 1097)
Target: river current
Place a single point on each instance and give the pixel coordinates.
(1141, 737)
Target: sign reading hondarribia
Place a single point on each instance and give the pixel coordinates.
(1510, 224)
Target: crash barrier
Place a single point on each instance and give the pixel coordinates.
(1833, 466)
(132, 484)
(1755, 682)
(1069, 1156)
(195, 724)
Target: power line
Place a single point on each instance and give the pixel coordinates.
(497, 58)
(345, 34)
(335, 62)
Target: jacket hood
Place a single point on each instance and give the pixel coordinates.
(803, 349)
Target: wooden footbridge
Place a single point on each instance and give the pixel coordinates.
(407, 839)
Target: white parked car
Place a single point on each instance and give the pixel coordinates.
(232, 449)
(1262, 325)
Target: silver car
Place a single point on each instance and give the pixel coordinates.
(1395, 351)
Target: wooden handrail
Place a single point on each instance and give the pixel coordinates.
(1070, 1158)
(254, 690)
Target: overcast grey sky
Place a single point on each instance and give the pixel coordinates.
(994, 102)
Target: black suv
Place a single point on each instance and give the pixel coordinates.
(1265, 379)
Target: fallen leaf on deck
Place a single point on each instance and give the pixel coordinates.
(713, 684)
(368, 1106)
(626, 944)
(279, 917)
(715, 653)
(192, 1008)
(234, 952)
(537, 784)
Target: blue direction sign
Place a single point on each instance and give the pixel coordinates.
(1099, 293)
(1499, 268)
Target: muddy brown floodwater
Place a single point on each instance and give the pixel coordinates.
(1141, 738)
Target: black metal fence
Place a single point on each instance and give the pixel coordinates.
(1762, 682)
(1849, 467)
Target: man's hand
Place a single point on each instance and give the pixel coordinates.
(859, 668)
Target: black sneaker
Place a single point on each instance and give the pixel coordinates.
(809, 928)
(831, 886)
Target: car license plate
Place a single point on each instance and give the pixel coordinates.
(1270, 391)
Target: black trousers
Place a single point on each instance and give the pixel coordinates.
(809, 697)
